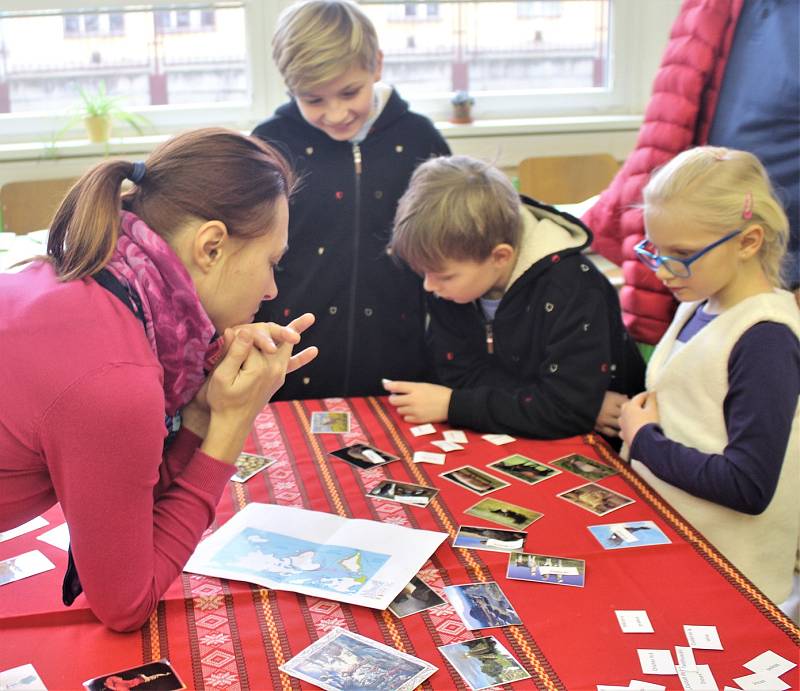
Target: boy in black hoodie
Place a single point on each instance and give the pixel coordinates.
(354, 144)
(526, 333)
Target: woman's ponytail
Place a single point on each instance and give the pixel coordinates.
(86, 226)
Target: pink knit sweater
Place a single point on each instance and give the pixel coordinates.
(82, 423)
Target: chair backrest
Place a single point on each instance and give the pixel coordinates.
(31, 204)
(566, 179)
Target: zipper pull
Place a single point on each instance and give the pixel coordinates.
(357, 158)
(489, 338)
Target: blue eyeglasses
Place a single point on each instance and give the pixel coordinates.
(680, 268)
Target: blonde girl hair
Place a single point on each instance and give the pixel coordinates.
(319, 40)
(455, 208)
(724, 189)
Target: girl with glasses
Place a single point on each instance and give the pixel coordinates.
(717, 433)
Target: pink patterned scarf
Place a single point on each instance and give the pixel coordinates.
(176, 324)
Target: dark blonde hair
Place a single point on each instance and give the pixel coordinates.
(455, 208)
(724, 189)
(206, 174)
(318, 40)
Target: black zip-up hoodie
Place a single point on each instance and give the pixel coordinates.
(370, 312)
(557, 338)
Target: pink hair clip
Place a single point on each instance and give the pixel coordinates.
(747, 212)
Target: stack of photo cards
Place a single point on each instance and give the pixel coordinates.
(417, 596)
(484, 662)
(475, 480)
(403, 492)
(630, 534)
(543, 568)
(482, 605)
(24, 677)
(152, 675)
(504, 513)
(490, 539)
(248, 464)
(330, 422)
(362, 455)
(342, 660)
(285, 548)
(523, 468)
(596, 498)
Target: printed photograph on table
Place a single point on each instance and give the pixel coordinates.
(584, 467)
(630, 534)
(504, 513)
(362, 455)
(153, 675)
(595, 498)
(482, 605)
(23, 566)
(403, 492)
(330, 422)
(491, 539)
(417, 596)
(342, 660)
(248, 464)
(474, 480)
(543, 568)
(525, 469)
(21, 678)
(484, 662)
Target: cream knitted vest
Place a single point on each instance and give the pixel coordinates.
(691, 388)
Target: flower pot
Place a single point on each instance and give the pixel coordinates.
(98, 127)
(462, 114)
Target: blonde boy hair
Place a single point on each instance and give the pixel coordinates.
(455, 208)
(319, 40)
(724, 189)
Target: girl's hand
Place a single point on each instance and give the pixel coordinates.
(608, 418)
(419, 402)
(641, 410)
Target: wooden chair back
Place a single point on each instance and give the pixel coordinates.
(31, 204)
(566, 179)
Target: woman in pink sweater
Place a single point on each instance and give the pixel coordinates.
(118, 399)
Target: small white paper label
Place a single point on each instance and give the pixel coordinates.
(770, 662)
(699, 678)
(421, 430)
(656, 661)
(498, 439)
(633, 621)
(703, 637)
(445, 445)
(428, 457)
(455, 435)
(685, 657)
(761, 681)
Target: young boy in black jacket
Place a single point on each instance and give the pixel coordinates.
(526, 333)
(354, 144)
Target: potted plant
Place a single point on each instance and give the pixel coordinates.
(462, 108)
(98, 110)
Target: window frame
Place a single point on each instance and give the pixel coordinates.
(626, 95)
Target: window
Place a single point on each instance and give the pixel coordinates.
(185, 63)
(508, 64)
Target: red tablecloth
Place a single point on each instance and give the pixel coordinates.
(232, 635)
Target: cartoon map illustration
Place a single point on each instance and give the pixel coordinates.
(294, 561)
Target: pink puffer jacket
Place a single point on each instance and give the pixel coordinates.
(678, 116)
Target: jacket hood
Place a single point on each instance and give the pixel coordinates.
(546, 231)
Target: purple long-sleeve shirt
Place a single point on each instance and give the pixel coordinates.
(763, 389)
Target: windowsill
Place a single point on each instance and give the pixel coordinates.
(81, 148)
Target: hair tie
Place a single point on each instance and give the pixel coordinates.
(139, 169)
(720, 153)
(747, 212)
